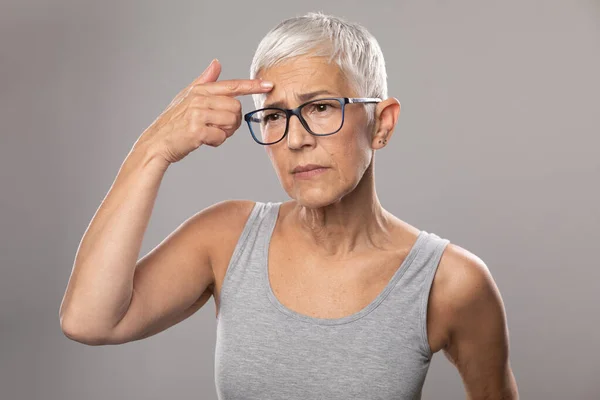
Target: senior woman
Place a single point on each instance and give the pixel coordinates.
(327, 295)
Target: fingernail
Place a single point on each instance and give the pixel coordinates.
(266, 84)
(209, 65)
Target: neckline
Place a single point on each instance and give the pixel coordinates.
(272, 215)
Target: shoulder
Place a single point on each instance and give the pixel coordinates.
(224, 211)
(464, 277)
(221, 225)
(463, 288)
(227, 207)
(216, 223)
(225, 218)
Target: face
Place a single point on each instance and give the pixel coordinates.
(346, 154)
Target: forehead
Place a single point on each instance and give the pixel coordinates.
(304, 74)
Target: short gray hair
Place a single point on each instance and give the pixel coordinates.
(350, 45)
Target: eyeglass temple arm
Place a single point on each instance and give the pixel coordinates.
(364, 100)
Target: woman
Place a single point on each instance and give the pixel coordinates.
(326, 295)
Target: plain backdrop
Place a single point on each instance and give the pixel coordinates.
(496, 148)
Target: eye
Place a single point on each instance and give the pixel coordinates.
(324, 107)
(272, 117)
(321, 106)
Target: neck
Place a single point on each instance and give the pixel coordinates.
(349, 226)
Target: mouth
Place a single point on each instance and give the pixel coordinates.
(306, 168)
(310, 173)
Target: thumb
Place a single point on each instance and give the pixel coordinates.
(210, 74)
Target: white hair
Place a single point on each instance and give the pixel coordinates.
(354, 50)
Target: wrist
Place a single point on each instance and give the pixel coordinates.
(148, 157)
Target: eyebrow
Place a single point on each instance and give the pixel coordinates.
(302, 97)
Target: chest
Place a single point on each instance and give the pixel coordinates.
(322, 288)
(271, 356)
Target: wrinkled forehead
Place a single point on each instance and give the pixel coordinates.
(298, 78)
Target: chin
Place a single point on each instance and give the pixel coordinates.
(314, 198)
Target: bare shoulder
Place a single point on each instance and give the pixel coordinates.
(462, 279)
(464, 276)
(224, 213)
(458, 268)
(226, 221)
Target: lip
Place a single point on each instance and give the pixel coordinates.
(307, 167)
(310, 173)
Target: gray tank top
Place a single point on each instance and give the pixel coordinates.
(265, 350)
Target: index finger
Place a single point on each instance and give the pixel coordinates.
(236, 87)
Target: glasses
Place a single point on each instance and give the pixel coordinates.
(320, 117)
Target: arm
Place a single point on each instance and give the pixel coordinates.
(176, 278)
(111, 298)
(100, 287)
(478, 332)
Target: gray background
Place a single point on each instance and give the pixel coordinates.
(496, 149)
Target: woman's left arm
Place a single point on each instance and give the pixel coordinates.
(478, 332)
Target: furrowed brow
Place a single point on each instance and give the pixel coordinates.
(302, 97)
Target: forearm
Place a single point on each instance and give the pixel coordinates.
(101, 282)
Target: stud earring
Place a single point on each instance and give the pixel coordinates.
(384, 141)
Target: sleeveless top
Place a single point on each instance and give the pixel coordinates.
(265, 350)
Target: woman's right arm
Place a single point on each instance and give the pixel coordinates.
(113, 298)
(101, 287)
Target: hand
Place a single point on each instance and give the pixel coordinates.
(204, 112)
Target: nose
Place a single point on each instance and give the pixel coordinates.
(297, 135)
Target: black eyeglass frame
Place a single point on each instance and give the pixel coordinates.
(297, 112)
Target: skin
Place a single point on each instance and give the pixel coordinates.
(339, 213)
(337, 216)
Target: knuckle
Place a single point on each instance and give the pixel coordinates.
(194, 114)
(195, 126)
(237, 121)
(199, 101)
(231, 119)
(233, 85)
(228, 124)
(238, 106)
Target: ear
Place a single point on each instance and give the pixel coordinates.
(386, 117)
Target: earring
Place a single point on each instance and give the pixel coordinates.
(384, 140)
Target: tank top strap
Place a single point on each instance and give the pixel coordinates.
(411, 293)
(429, 250)
(245, 263)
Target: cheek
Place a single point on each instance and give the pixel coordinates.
(356, 151)
(278, 164)
(351, 160)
